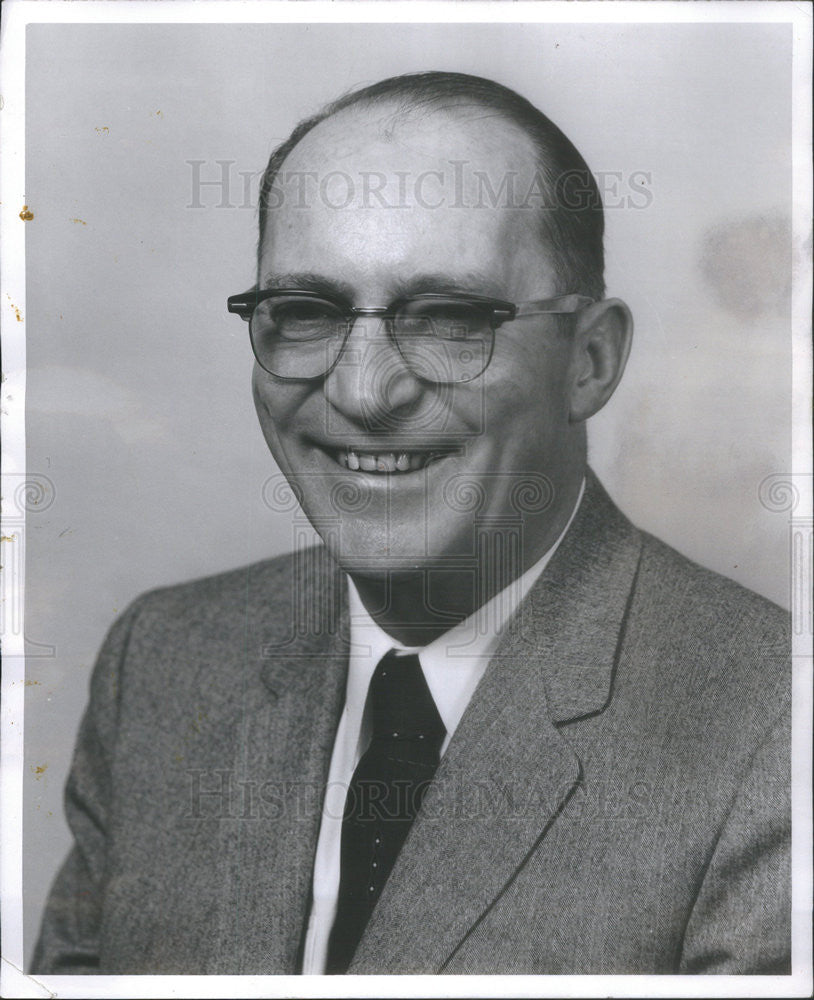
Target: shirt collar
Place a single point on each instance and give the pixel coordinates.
(455, 661)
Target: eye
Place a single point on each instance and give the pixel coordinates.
(445, 319)
(299, 319)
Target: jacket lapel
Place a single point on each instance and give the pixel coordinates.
(283, 752)
(509, 769)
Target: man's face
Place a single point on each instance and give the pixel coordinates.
(507, 427)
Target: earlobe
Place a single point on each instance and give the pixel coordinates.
(602, 342)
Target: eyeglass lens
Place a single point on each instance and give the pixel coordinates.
(440, 340)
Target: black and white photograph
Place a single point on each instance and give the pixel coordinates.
(407, 519)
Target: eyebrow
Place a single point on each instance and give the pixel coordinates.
(308, 281)
(474, 282)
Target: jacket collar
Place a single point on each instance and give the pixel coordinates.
(308, 626)
(572, 618)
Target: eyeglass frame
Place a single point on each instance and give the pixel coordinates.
(245, 303)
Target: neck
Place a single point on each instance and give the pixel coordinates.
(417, 606)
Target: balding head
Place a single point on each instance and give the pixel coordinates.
(383, 205)
(548, 179)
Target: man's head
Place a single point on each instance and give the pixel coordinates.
(437, 183)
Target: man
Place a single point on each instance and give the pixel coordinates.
(489, 726)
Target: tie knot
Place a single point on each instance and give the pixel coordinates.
(402, 706)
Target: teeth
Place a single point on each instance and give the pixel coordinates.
(387, 461)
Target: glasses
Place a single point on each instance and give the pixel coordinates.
(442, 338)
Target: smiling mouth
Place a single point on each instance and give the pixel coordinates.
(390, 462)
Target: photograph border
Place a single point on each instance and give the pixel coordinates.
(18, 489)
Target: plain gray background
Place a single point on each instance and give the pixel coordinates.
(138, 401)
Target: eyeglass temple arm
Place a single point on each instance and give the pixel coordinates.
(560, 304)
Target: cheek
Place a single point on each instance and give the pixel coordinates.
(263, 404)
(276, 405)
(527, 388)
(273, 400)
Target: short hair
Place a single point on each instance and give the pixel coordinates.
(572, 222)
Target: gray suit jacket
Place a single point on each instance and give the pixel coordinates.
(615, 799)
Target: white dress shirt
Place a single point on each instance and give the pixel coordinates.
(453, 665)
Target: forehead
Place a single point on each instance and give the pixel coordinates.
(378, 193)
(385, 133)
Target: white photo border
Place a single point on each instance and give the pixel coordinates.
(20, 13)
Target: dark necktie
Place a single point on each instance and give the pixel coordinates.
(384, 795)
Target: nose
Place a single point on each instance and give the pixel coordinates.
(371, 384)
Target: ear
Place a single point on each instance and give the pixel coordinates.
(602, 339)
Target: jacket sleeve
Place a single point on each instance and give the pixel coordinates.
(741, 920)
(69, 935)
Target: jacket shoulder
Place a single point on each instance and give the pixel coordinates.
(700, 603)
(257, 588)
(203, 632)
(704, 647)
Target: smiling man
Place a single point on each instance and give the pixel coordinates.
(489, 726)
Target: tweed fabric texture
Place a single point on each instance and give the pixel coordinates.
(614, 800)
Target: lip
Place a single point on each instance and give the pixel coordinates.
(414, 444)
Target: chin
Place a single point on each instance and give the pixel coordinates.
(369, 552)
